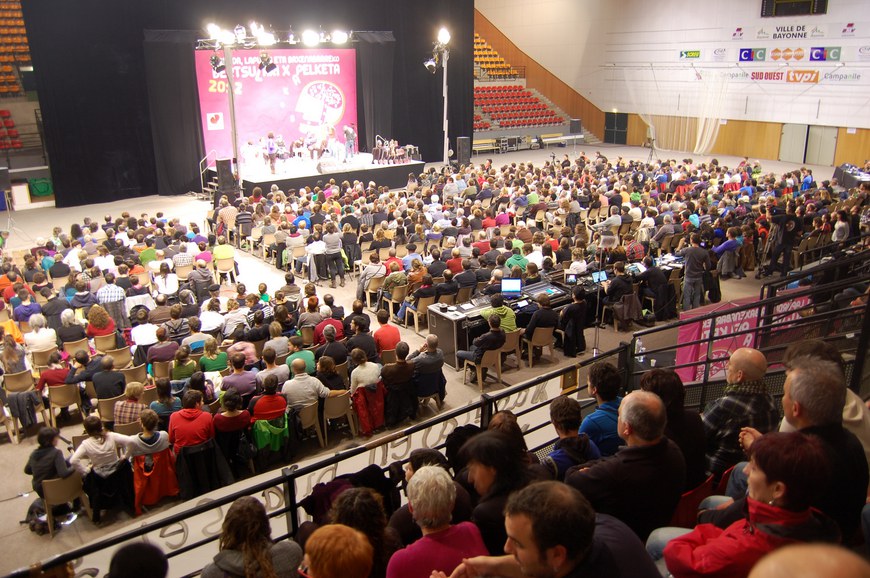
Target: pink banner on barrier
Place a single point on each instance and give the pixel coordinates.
(725, 341)
(310, 92)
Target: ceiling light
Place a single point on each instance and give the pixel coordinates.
(213, 30)
(240, 33)
(227, 37)
(431, 65)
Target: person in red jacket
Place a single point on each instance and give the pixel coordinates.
(190, 426)
(270, 405)
(785, 472)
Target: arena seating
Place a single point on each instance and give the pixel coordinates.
(491, 65)
(511, 106)
(14, 50)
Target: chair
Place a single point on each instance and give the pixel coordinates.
(72, 347)
(374, 285)
(447, 299)
(123, 357)
(24, 326)
(149, 395)
(182, 271)
(59, 491)
(104, 343)
(464, 295)
(395, 298)
(265, 243)
(128, 429)
(307, 335)
(138, 373)
(308, 418)
(6, 421)
(422, 308)
(490, 359)
(388, 356)
(106, 408)
(62, 396)
(258, 347)
(543, 337)
(722, 486)
(686, 513)
(225, 267)
(214, 406)
(161, 369)
(338, 407)
(512, 346)
(40, 358)
(341, 369)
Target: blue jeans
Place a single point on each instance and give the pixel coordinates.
(738, 483)
(659, 538)
(405, 306)
(469, 355)
(693, 290)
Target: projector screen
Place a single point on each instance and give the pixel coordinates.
(311, 93)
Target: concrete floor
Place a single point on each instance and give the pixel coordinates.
(23, 547)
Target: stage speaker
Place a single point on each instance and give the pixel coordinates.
(5, 183)
(576, 127)
(463, 150)
(226, 180)
(328, 166)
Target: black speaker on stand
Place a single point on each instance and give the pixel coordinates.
(227, 184)
(463, 148)
(576, 126)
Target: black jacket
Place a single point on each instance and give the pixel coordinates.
(447, 288)
(653, 278)
(487, 342)
(93, 366)
(366, 342)
(466, 279)
(543, 317)
(109, 384)
(619, 286)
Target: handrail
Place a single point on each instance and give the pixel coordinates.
(770, 288)
(204, 164)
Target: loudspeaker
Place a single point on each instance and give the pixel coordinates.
(463, 148)
(328, 166)
(226, 179)
(5, 183)
(576, 127)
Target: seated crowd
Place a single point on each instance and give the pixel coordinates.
(142, 293)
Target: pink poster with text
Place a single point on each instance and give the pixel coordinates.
(311, 92)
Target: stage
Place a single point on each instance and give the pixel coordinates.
(298, 173)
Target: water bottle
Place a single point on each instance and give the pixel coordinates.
(639, 349)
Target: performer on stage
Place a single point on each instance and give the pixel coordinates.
(349, 141)
(271, 151)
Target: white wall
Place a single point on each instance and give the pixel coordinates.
(596, 46)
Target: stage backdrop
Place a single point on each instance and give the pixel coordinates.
(309, 90)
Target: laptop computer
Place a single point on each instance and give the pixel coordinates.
(599, 276)
(511, 288)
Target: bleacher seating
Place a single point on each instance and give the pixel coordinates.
(511, 106)
(490, 63)
(14, 50)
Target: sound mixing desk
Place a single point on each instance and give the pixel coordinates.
(457, 326)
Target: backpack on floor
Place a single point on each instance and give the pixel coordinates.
(36, 519)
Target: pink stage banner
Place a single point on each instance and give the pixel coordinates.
(311, 91)
(726, 342)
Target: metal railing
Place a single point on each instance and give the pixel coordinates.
(188, 533)
(842, 268)
(204, 165)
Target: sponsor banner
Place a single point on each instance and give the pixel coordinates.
(864, 53)
(719, 54)
(842, 76)
(825, 53)
(737, 34)
(802, 76)
(752, 54)
(787, 54)
(685, 54)
(802, 31)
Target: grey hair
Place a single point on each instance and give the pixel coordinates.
(37, 321)
(68, 317)
(325, 311)
(645, 412)
(329, 332)
(432, 494)
(819, 386)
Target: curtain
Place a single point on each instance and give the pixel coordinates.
(375, 79)
(713, 90)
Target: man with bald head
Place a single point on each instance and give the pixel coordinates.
(746, 403)
(429, 358)
(303, 389)
(640, 484)
(811, 561)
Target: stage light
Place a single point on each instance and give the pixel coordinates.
(431, 65)
(214, 31)
(443, 36)
(310, 38)
(291, 37)
(339, 37)
(227, 37)
(324, 37)
(240, 33)
(217, 63)
(266, 63)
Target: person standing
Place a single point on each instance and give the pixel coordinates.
(349, 141)
(334, 259)
(697, 262)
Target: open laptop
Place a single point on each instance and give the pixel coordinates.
(511, 288)
(599, 276)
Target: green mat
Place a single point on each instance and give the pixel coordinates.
(40, 187)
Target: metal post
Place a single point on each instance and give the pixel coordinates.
(486, 410)
(231, 94)
(291, 515)
(858, 384)
(445, 56)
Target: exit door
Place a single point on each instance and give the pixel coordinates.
(821, 145)
(793, 143)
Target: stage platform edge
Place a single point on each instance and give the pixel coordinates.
(393, 176)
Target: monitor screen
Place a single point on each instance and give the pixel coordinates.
(511, 287)
(570, 279)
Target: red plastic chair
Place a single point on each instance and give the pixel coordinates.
(722, 486)
(686, 514)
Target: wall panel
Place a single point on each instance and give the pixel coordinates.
(746, 138)
(852, 148)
